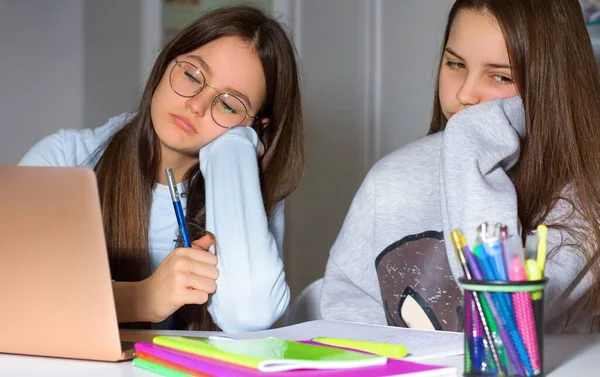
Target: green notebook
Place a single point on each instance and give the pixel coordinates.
(157, 368)
(271, 354)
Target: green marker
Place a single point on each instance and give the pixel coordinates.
(157, 368)
(494, 330)
(393, 351)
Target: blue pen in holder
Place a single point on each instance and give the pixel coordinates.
(513, 312)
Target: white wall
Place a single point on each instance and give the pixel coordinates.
(41, 71)
(411, 36)
(112, 61)
(70, 64)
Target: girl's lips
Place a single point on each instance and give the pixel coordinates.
(184, 124)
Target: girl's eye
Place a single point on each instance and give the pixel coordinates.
(455, 65)
(501, 79)
(226, 108)
(191, 77)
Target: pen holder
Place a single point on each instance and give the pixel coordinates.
(503, 328)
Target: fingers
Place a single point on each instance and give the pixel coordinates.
(203, 269)
(186, 276)
(192, 296)
(198, 262)
(199, 268)
(199, 283)
(201, 256)
(205, 242)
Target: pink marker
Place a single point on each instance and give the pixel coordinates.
(522, 300)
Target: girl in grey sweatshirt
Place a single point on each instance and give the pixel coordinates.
(393, 262)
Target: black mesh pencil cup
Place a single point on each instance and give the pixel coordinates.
(503, 328)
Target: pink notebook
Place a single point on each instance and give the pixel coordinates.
(219, 368)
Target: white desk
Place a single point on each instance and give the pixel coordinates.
(565, 356)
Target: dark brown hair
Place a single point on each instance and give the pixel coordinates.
(555, 72)
(128, 167)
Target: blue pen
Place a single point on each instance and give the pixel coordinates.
(493, 251)
(177, 205)
(491, 258)
(487, 265)
(493, 248)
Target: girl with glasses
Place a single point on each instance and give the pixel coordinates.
(222, 109)
(515, 139)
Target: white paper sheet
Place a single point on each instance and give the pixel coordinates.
(420, 344)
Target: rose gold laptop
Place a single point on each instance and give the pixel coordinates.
(56, 294)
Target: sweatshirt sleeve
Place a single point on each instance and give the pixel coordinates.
(479, 146)
(350, 289)
(252, 292)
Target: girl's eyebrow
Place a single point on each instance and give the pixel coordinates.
(498, 65)
(241, 95)
(204, 65)
(488, 65)
(452, 52)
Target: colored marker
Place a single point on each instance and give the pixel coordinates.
(541, 246)
(394, 351)
(522, 302)
(493, 248)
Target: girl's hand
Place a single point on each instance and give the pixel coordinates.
(185, 276)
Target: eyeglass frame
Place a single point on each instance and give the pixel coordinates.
(247, 116)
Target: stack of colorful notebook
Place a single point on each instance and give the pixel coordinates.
(185, 356)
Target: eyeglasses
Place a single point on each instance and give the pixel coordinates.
(227, 110)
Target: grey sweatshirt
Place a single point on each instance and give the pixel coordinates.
(393, 262)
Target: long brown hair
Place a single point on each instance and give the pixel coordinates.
(555, 72)
(128, 168)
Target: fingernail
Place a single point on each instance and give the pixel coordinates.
(212, 236)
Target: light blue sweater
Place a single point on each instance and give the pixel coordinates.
(252, 292)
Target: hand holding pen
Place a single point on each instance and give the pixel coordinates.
(186, 276)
